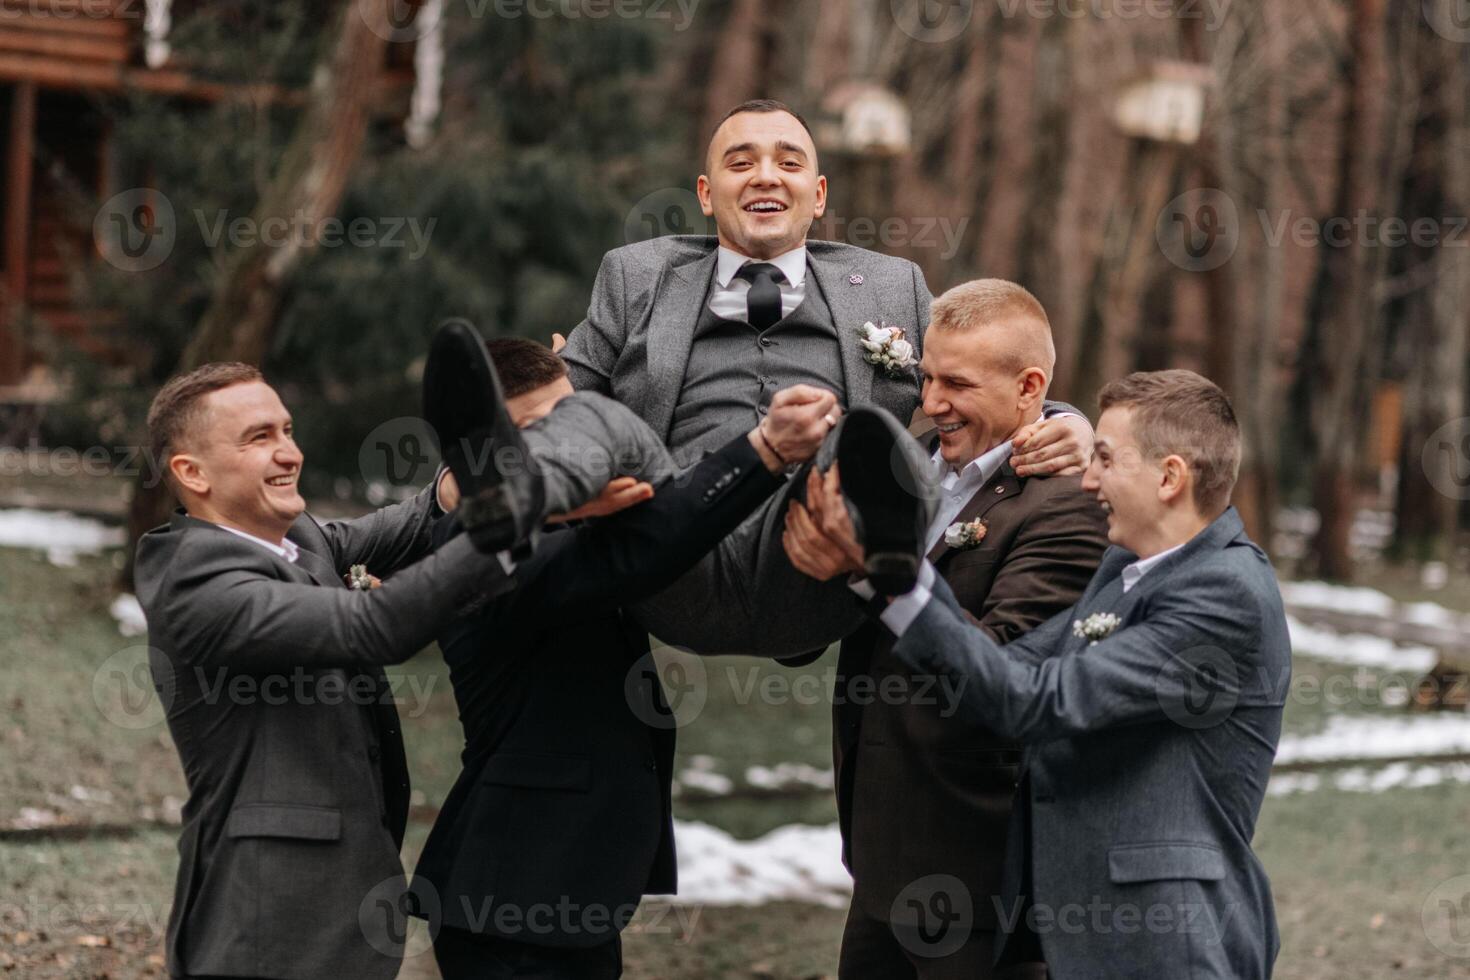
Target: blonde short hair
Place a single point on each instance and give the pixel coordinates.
(987, 302)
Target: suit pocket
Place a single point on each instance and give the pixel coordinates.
(1130, 863)
(534, 770)
(296, 821)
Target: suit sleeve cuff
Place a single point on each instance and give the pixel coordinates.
(903, 610)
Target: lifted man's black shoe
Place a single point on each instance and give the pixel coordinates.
(885, 485)
(502, 497)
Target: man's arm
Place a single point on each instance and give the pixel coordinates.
(388, 538)
(593, 348)
(1047, 567)
(1197, 645)
(219, 614)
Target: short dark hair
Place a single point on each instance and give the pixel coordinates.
(1181, 413)
(524, 365)
(177, 407)
(763, 105)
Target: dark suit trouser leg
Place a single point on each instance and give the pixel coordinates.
(464, 955)
(745, 597)
(871, 951)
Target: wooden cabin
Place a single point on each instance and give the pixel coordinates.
(56, 58)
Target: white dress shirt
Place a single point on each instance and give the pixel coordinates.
(286, 549)
(728, 298)
(1140, 568)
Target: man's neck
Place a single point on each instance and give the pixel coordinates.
(957, 467)
(273, 535)
(771, 254)
(1176, 528)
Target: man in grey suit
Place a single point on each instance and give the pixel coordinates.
(696, 334)
(1151, 710)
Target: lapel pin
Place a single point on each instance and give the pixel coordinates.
(856, 280)
(1000, 489)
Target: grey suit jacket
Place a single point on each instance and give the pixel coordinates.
(634, 344)
(1147, 761)
(270, 674)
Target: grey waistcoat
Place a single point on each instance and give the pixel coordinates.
(734, 371)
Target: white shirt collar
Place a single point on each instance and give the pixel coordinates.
(792, 264)
(1140, 568)
(980, 469)
(286, 549)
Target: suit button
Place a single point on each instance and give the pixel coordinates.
(766, 342)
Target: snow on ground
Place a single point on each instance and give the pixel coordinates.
(129, 615)
(1399, 775)
(798, 863)
(60, 534)
(1358, 649)
(1343, 598)
(1378, 737)
(789, 775)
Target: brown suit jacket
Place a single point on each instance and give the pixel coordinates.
(921, 791)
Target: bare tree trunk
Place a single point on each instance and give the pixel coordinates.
(744, 51)
(306, 190)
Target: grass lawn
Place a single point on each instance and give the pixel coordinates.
(1352, 872)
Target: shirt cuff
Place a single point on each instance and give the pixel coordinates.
(903, 610)
(506, 562)
(864, 589)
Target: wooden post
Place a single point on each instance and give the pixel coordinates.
(18, 172)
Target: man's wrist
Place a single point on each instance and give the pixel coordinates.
(766, 451)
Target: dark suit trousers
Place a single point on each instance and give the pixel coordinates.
(870, 951)
(464, 955)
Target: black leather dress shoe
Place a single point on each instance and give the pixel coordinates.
(884, 481)
(502, 498)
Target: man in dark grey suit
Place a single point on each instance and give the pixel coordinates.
(696, 334)
(270, 671)
(1151, 710)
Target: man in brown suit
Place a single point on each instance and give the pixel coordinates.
(924, 795)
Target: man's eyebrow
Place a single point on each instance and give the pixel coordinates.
(262, 427)
(739, 148)
(786, 147)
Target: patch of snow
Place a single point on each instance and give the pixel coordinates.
(1373, 737)
(1361, 780)
(797, 863)
(789, 775)
(60, 534)
(1343, 598)
(129, 615)
(1358, 649)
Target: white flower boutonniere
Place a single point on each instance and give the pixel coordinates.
(885, 347)
(1098, 626)
(966, 536)
(359, 580)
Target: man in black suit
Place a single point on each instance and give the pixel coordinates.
(270, 670)
(560, 820)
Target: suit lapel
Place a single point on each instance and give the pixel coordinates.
(1002, 486)
(677, 305)
(851, 306)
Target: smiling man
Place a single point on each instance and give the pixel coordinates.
(270, 673)
(696, 334)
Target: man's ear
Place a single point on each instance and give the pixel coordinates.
(1031, 385)
(1177, 478)
(706, 202)
(821, 208)
(188, 474)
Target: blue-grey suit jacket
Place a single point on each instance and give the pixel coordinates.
(1147, 758)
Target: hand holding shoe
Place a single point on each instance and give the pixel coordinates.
(799, 420)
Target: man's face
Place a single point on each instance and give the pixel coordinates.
(974, 402)
(246, 460)
(537, 403)
(1126, 484)
(762, 185)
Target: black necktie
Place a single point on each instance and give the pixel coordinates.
(764, 299)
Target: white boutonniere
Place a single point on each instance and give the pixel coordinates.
(967, 535)
(1098, 626)
(359, 580)
(884, 346)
